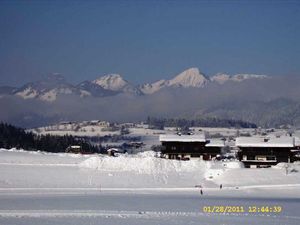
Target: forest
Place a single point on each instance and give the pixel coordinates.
(160, 123)
(16, 137)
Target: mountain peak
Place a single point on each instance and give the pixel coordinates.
(191, 77)
(114, 82)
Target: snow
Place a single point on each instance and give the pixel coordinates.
(49, 95)
(27, 93)
(50, 188)
(75, 129)
(84, 93)
(142, 163)
(142, 170)
(154, 87)
(182, 138)
(283, 141)
(136, 209)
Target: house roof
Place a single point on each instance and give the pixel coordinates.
(113, 150)
(275, 142)
(182, 138)
(75, 146)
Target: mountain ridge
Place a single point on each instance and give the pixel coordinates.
(266, 102)
(55, 85)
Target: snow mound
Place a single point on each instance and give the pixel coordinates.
(290, 167)
(281, 165)
(142, 163)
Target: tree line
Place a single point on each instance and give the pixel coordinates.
(15, 137)
(160, 123)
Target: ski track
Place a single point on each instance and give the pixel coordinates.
(126, 214)
(145, 189)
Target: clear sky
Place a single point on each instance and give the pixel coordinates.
(146, 40)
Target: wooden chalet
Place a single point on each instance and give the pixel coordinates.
(74, 149)
(77, 149)
(265, 151)
(186, 147)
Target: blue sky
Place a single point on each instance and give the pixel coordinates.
(146, 40)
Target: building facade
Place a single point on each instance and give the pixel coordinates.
(186, 147)
(265, 151)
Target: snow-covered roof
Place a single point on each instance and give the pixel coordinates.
(276, 142)
(215, 143)
(75, 146)
(113, 150)
(182, 138)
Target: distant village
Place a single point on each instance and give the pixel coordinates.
(255, 147)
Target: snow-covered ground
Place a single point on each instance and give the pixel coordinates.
(43, 188)
(106, 208)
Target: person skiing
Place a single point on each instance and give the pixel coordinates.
(221, 186)
(201, 192)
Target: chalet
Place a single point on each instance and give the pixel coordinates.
(77, 149)
(185, 147)
(74, 149)
(265, 151)
(112, 151)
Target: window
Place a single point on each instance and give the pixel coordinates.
(250, 157)
(265, 158)
(271, 157)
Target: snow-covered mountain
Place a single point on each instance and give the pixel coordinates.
(47, 89)
(189, 78)
(116, 83)
(194, 78)
(55, 85)
(154, 87)
(92, 89)
(113, 82)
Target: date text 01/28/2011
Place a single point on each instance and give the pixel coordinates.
(242, 209)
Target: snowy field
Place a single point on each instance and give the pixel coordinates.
(43, 188)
